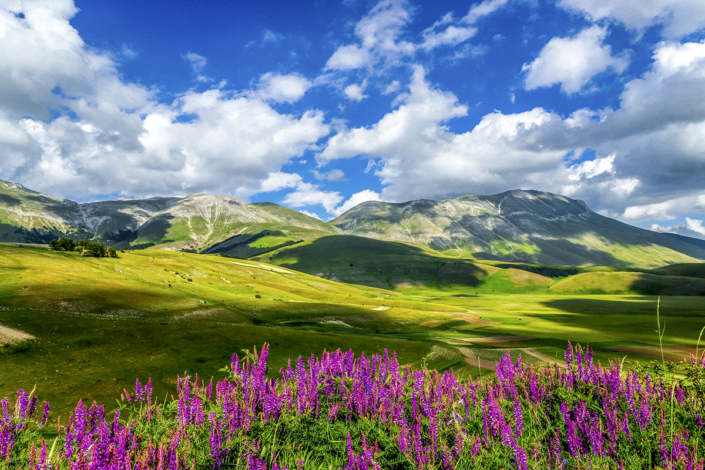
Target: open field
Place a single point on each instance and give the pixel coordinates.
(100, 323)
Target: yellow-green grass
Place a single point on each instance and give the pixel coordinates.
(415, 269)
(101, 323)
(629, 283)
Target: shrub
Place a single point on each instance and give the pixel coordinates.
(62, 244)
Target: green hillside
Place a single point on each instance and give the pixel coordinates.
(99, 323)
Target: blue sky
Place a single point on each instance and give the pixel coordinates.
(322, 105)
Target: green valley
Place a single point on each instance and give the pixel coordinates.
(87, 327)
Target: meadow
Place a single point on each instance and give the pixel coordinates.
(342, 411)
(99, 324)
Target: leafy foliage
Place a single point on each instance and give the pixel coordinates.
(62, 244)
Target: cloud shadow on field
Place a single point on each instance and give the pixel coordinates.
(378, 263)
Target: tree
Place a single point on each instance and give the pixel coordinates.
(93, 249)
(62, 244)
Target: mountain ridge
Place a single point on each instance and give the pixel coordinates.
(191, 223)
(524, 226)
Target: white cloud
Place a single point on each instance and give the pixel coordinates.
(573, 62)
(485, 8)
(451, 36)
(270, 36)
(356, 199)
(393, 87)
(197, 62)
(679, 17)
(307, 194)
(282, 88)
(310, 214)
(349, 57)
(592, 168)
(667, 210)
(333, 175)
(355, 92)
(691, 228)
(380, 35)
(421, 158)
(279, 180)
(115, 137)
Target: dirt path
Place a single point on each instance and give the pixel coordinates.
(10, 335)
(474, 361)
(542, 357)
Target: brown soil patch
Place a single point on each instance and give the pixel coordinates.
(10, 335)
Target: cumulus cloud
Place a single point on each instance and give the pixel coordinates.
(356, 199)
(572, 62)
(112, 136)
(282, 88)
(420, 157)
(280, 180)
(649, 150)
(310, 214)
(349, 57)
(355, 92)
(44, 60)
(691, 228)
(667, 210)
(307, 194)
(381, 35)
(592, 168)
(679, 17)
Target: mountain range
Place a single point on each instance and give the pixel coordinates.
(521, 226)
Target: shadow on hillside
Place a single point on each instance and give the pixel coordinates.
(14, 234)
(42, 199)
(9, 200)
(157, 228)
(378, 263)
(682, 307)
(659, 285)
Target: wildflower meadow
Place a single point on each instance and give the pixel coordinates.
(341, 411)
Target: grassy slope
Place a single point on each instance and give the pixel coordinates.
(100, 323)
(409, 268)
